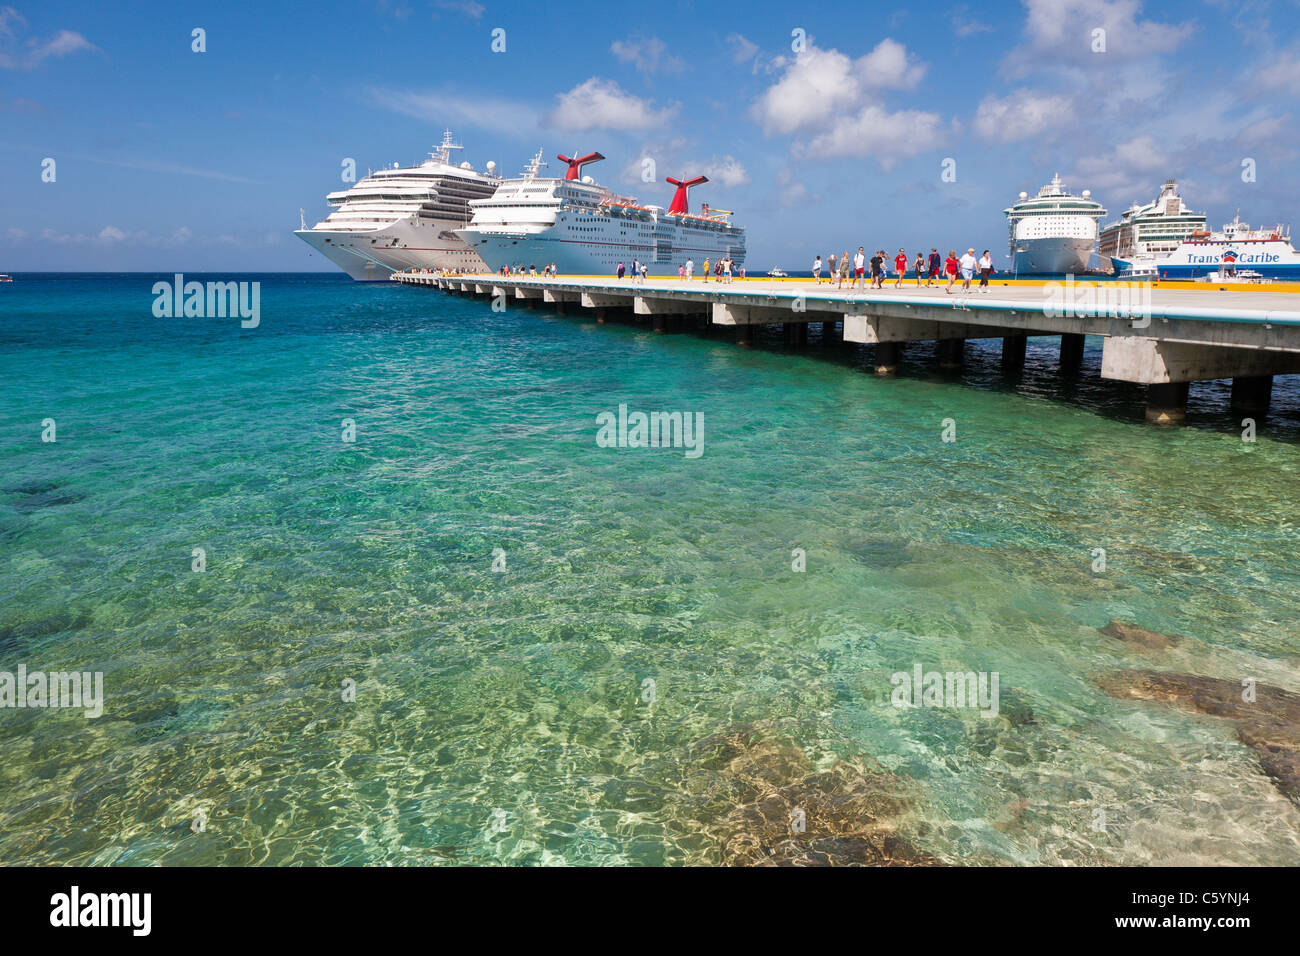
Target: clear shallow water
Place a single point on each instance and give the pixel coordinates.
(521, 691)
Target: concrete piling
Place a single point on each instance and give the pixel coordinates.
(1251, 394)
(1071, 351)
(1167, 403)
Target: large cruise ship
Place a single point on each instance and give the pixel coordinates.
(404, 217)
(587, 229)
(1054, 232)
(1151, 231)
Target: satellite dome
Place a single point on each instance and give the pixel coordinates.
(588, 180)
(466, 165)
(491, 165)
(1024, 195)
(1087, 193)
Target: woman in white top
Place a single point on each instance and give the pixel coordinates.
(986, 269)
(817, 270)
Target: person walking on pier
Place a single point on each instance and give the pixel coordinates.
(835, 269)
(950, 268)
(986, 269)
(900, 266)
(706, 270)
(878, 264)
(859, 269)
(968, 264)
(919, 268)
(690, 269)
(935, 264)
(726, 270)
(844, 270)
(817, 271)
(620, 271)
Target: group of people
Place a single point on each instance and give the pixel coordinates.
(531, 270)
(639, 270)
(927, 268)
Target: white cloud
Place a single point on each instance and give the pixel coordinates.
(111, 234)
(451, 106)
(1283, 75)
(1064, 29)
(647, 54)
(1021, 115)
(726, 170)
(874, 131)
(819, 85)
(602, 104)
(34, 52)
(742, 49)
(466, 8)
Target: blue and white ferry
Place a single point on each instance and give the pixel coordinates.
(1237, 253)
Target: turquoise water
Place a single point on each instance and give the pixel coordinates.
(499, 716)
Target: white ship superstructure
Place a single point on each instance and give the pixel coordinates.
(1236, 252)
(1053, 232)
(586, 229)
(1151, 231)
(404, 217)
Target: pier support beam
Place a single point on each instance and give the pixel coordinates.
(1167, 403)
(830, 334)
(659, 323)
(870, 329)
(1071, 351)
(1251, 394)
(1147, 361)
(746, 335)
(887, 356)
(951, 354)
(1013, 352)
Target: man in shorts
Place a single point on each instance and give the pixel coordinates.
(935, 264)
(859, 269)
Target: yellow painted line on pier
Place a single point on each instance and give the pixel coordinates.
(1171, 284)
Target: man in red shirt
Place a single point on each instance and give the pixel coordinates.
(900, 266)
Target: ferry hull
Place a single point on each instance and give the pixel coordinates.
(1055, 256)
(579, 257)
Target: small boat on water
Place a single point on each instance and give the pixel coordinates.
(778, 274)
(5, 278)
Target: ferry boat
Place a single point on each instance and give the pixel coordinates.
(1053, 232)
(1237, 253)
(587, 229)
(404, 218)
(5, 278)
(1150, 231)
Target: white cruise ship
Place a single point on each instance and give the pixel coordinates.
(586, 229)
(1152, 231)
(404, 217)
(1053, 233)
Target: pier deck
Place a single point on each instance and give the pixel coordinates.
(1160, 337)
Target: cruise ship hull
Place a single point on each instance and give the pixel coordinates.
(1054, 256)
(581, 256)
(374, 255)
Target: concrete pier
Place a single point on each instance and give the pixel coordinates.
(1163, 338)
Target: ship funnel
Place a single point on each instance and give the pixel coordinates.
(575, 165)
(679, 203)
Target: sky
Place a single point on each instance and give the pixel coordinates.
(822, 126)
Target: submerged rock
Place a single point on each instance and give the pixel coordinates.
(774, 807)
(1140, 636)
(1269, 724)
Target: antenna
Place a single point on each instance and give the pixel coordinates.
(302, 217)
(679, 204)
(575, 165)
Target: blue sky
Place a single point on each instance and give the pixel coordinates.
(170, 159)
